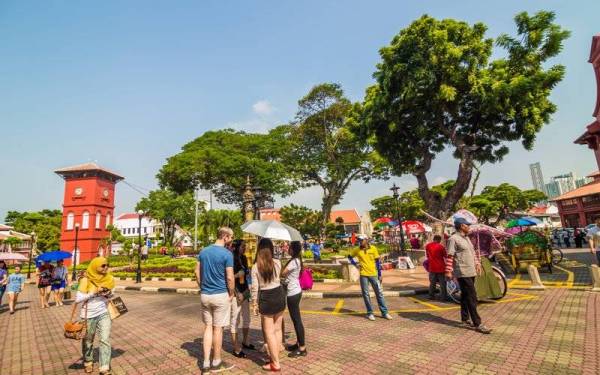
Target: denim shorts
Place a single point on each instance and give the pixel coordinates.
(62, 285)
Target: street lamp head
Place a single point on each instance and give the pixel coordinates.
(32, 233)
(76, 226)
(395, 189)
(140, 212)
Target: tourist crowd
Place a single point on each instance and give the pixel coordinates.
(223, 274)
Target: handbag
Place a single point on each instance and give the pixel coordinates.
(116, 308)
(76, 330)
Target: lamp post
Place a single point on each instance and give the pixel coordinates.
(138, 272)
(31, 254)
(396, 196)
(249, 201)
(74, 274)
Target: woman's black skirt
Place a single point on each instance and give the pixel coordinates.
(271, 301)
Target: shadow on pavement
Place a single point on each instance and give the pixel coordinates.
(430, 318)
(194, 348)
(115, 353)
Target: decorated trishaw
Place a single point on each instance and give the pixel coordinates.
(488, 242)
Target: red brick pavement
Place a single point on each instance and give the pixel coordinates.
(551, 332)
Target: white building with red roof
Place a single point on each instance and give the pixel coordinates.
(129, 226)
(24, 245)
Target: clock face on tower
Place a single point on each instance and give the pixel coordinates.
(105, 193)
(78, 191)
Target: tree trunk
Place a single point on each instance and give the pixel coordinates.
(435, 205)
(326, 207)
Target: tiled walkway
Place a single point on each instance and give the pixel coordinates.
(554, 332)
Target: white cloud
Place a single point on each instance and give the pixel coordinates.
(263, 108)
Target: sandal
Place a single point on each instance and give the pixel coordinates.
(271, 367)
(240, 354)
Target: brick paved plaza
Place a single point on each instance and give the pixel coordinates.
(553, 332)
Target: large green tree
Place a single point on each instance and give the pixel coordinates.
(221, 160)
(171, 209)
(437, 89)
(306, 220)
(210, 221)
(46, 224)
(497, 202)
(411, 204)
(325, 152)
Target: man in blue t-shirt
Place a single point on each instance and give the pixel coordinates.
(316, 250)
(214, 272)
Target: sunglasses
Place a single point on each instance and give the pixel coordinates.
(104, 266)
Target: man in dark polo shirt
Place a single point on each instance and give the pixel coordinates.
(464, 264)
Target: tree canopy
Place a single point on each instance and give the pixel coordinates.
(209, 221)
(171, 209)
(221, 160)
(323, 149)
(306, 220)
(436, 89)
(46, 224)
(499, 201)
(411, 205)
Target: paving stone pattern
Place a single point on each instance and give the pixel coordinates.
(549, 332)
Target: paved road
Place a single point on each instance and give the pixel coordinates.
(553, 332)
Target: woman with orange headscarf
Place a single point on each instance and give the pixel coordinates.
(95, 290)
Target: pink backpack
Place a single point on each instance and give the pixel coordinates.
(306, 279)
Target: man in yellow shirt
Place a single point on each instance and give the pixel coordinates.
(368, 256)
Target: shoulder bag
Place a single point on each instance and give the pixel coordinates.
(116, 308)
(76, 329)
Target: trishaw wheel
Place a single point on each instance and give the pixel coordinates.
(453, 290)
(501, 281)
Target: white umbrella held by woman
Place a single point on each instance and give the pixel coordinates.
(272, 229)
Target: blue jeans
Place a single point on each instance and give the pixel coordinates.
(364, 286)
(102, 325)
(598, 256)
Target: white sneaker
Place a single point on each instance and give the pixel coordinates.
(388, 317)
(371, 317)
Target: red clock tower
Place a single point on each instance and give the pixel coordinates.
(88, 208)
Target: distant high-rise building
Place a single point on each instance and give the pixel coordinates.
(537, 177)
(583, 181)
(552, 189)
(566, 182)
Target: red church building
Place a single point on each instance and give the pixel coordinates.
(88, 208)
(581, 206)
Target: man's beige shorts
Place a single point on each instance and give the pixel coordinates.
(216, 309)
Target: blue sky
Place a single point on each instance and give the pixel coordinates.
(126, 84)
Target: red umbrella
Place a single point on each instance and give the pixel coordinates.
(413, 226)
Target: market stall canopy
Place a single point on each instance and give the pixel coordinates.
(522, 222)
(413, 226)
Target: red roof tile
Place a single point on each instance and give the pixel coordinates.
(86, 167)
(128, 216)
(270, 214)
(349, 216)
(589, 189)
